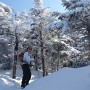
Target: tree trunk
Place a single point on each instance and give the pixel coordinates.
(15, 59)
(42, 56)
(36, 61)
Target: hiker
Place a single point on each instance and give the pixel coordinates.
(26, 67)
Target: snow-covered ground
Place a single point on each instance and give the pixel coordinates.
(7, 83)
(64, 79)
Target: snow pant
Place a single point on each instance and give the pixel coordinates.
(26, 75)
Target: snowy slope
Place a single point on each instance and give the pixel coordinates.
(64, 79)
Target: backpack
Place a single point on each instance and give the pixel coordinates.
(20, 56)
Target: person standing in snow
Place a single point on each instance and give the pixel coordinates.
(26, 67)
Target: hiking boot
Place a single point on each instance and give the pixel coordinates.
(22, 86)
(27, 84)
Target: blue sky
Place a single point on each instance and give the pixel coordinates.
(21, 5)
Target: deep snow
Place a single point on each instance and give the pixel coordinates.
(64, 79)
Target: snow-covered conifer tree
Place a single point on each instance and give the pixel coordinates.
(21, 32)
(6, 28)
(41, 17)
(78, 17)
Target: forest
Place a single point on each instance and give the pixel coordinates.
(57, 39)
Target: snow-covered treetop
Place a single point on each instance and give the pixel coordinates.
(5, 17)
(4, 8)
(38, 3)
(73, 4)
(76, 8)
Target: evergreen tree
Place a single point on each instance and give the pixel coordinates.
(41, 17)
(6, 28)
(78, 18)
